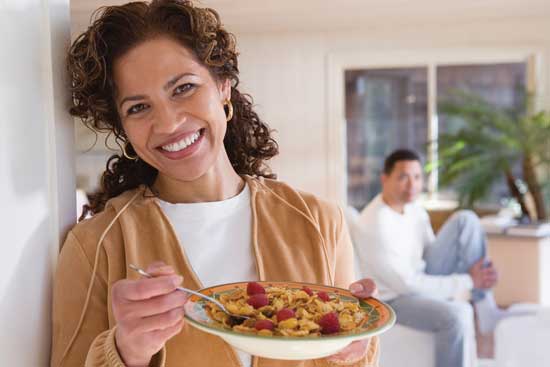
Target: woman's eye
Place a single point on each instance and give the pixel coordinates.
(136, 108)
(183, 88)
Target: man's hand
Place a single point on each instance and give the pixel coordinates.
(483, 274)
(363, 288)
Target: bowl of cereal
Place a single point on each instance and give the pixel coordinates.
(288, 320)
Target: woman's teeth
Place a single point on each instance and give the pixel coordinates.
(182, 144)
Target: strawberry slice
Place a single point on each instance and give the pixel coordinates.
(254, 288)
(323, 296)
(329, 323)
(308, 290)
(285, 313)
(258, 300)
(264, 325)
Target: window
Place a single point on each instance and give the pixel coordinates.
(390, 108)
(502, 85)
(385, 109)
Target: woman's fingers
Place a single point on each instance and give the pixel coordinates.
(148, 312)
(353, 353)
(156, 305)
(363, 288)
(137, 290)
(159, 268)
(155, 322)
(163, 335)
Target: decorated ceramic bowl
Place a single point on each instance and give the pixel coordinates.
(378, 317)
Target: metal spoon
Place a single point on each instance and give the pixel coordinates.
(198, 294)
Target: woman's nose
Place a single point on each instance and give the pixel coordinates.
(167, 119)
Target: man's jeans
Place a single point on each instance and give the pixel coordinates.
(460, 243)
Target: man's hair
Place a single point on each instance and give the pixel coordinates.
(399, 155)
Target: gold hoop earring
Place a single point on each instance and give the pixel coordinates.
(128, 156)
(229, 105)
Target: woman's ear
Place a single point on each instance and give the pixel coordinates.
(225, 90)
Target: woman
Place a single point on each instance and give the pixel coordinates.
(190, 188)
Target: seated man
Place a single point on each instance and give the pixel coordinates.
(420, 274)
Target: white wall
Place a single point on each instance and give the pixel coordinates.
(287, 76)
(36, 172)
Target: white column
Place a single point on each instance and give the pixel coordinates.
(37, 182)
(433, 132)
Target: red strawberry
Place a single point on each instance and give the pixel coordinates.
(258, 300)
(323, 296)
(254, 288)
(329, 323)
(285, 313)
(308, 290)
(264, 324)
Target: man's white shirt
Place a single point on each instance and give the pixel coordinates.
(390, 247)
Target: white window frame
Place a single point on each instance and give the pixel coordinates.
(339, 63)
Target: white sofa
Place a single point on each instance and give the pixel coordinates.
(523, 341)
(403, 346)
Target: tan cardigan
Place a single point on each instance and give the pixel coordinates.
(295, 237)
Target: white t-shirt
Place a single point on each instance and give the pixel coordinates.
(390, 250)
(217, 239)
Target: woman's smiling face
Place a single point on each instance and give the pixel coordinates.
(171, 108)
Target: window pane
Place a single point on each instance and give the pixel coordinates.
(500, 84)
(386, 109)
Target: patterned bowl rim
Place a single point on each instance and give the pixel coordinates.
(386, 314)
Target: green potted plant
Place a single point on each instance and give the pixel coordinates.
(488, 143)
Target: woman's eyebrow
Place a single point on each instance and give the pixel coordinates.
(175, 79)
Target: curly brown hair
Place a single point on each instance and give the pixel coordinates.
(117, 29)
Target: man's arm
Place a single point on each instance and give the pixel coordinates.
(387, 265)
